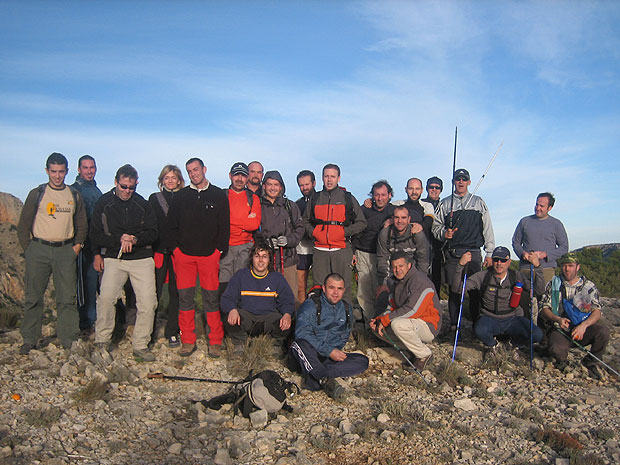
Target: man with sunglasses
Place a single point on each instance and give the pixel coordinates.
(464, 223)
(496, 285)
(124, 228)
(434, 187)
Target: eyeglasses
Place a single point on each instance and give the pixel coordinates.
(434, 187)
(502, 260)
(125, 188)
(461, 178)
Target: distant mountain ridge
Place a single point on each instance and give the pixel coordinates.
(606, 249)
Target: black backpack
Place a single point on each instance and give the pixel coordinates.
(266, 390)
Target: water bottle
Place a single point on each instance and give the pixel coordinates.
(515, 297)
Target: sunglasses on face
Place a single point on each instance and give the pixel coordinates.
(461, 178)
(502, 260)
(434, 187)
(124, 187)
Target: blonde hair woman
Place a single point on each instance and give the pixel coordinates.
(170, 181)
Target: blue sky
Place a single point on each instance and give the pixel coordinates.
(376, 87)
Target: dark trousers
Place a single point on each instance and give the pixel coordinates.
(172, 312)
(304, 358)
(517, 327)
(436, 272)
(454, 299)
(254, 325)
(90, 280)
(597, 335)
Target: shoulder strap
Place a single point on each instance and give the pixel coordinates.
(317, 303)
(349, 212)
(162, 202)
(311, 204)
(287, 206)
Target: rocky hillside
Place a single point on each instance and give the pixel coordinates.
(11, 256)
(88, 407)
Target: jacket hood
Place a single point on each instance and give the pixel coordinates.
(278, 177)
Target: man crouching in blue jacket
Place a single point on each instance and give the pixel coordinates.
(323, 327)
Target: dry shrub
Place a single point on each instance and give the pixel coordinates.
(96, 389)
(42, 417)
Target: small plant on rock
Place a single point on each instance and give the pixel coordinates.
(96, 389)
(42, 417)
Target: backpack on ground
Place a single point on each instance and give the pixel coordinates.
(266, 390)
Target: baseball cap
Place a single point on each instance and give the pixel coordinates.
(461, 172)
(501, 252)
(434, 180)
(570, 257)
(239, 168)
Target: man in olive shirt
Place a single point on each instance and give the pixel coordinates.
(52, 229)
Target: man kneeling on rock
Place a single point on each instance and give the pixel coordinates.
(501, 314)
(258, 301)
(411, 314)
(323, 328)
(571, 304)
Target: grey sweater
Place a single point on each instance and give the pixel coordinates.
(548, 235)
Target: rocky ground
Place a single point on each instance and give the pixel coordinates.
(82, 406)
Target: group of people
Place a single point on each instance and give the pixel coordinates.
(251, 250)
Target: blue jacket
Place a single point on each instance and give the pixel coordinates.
(90, 192)
(332, 333)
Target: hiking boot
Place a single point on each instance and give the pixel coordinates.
(174, 341)
(129, 331)
(238, 349)
(144, 355)
(561, 365)
(594, 372)
(421, 363)
(215, 351)
(490, 351)
(102, 346)
(187, 349)
(87, 333)
(25, 348)
(333, 388)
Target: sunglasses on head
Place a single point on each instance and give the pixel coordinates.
(434, 187)
(124, 187)
(502, 260)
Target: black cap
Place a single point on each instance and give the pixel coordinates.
(239, 168)
(461, 172)
(434, 180)
(501, 252)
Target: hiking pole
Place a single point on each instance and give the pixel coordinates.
(281, 259)
(453, 170)
(531, 316)
(458, 323)
(404, 356)
(569, 337)
(186, 378)
(484, 174)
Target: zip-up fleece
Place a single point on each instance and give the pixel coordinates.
(114, 217)
(200, 221)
